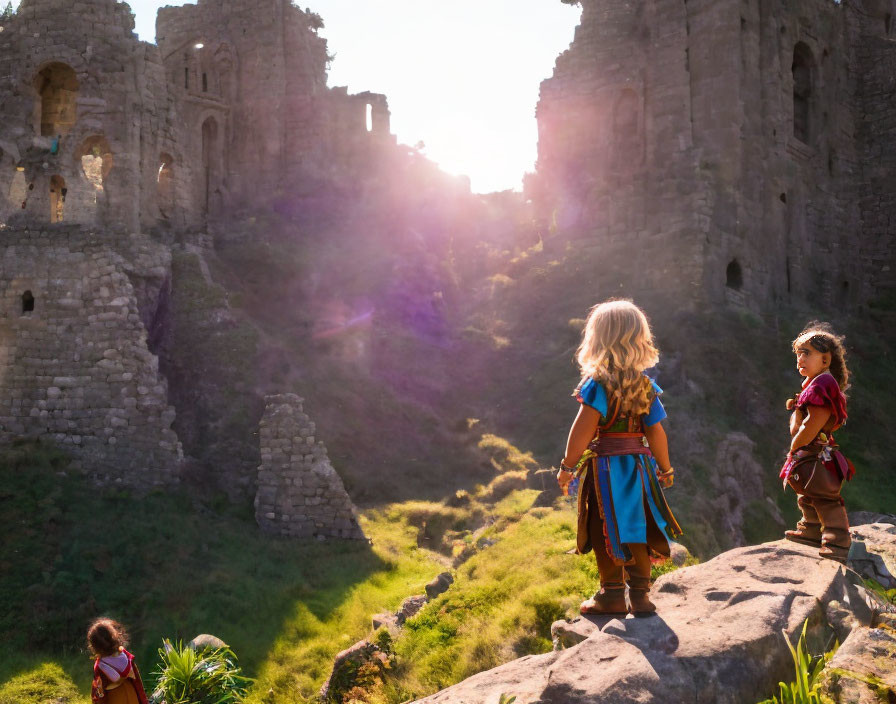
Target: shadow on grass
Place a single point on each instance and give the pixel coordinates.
(164, 565)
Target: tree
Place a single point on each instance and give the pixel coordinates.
(7, 13)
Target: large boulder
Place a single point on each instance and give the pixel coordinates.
(873, 554)
(717, 637)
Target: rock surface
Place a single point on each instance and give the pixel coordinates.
(863, 671)
(410, 607)
(439, 585)
(717, 636)
(873, 554)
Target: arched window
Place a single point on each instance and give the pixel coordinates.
(734, 277)
(96, 159)
(57, 88)
(57, 197)
(27, 302)
(803, 79)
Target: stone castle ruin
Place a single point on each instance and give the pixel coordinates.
(110, 148)
(230, 108)
(744, 149)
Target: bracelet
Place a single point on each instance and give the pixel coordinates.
(667, 473)
(564, 468)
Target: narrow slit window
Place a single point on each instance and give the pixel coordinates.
(27, 302)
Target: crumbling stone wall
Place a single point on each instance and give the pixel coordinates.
(74, 363)
(299, 492)
(260, 121)
(718, 146)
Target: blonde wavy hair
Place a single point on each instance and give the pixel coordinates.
(617, 346)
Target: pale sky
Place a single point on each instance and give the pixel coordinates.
(461, 76)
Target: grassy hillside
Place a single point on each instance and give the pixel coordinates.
(286, 607)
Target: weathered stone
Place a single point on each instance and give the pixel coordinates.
(873, 553)
(716, 638)
(289, 491)
(439, 585)
(205, 641)
(410, 607)
(387, 620)
(863, 670)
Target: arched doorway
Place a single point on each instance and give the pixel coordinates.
(56, 111)
(57, 197)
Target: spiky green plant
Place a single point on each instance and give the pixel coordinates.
(187, 676)
(805, 689)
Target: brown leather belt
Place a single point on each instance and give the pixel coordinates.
(614, 444)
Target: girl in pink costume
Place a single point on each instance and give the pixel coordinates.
(815, 467)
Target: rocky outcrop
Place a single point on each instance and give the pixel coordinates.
(737, 484)
(717, 636)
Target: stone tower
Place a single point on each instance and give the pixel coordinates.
(80, 77)
(732, 152)
(259, 120)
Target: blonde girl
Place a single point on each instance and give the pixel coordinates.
(618, 449)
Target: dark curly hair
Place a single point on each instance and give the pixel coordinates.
(105, 637)
(823, 339)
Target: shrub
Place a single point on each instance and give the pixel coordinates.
(205, 677)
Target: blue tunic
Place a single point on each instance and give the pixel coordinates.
(625, 478)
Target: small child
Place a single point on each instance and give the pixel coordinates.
(815, 467)
(116, 679)
(614, 446)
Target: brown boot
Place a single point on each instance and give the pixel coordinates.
(838, 553)
(641, 605)
(609, 601)
(834, 525)
(806, 534)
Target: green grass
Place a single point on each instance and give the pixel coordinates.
(173, 567)
(46, 683)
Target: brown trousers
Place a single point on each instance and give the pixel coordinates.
(818, 496)
(612, 575)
